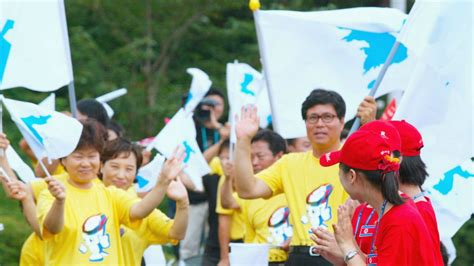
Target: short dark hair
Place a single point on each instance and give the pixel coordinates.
(275, 142)
(94, 135)
(321, 96)
(93, 109)
(116, 127)
(386, 183)
(215, 91)
(224, 145)
(413, 171)
(119, 146)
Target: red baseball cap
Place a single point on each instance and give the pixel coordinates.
(364, 150)
(412, 141)
(387, 131)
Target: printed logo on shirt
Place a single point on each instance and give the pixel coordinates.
(372, 259)
(318, 210)
(279, 226)
(367, 231)
(95, 238)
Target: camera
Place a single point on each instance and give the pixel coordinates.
(203, 112)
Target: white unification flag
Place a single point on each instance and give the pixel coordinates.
(147, 175)
(263, 107)
(244, 86)
(48, 133)
(200, 85)
(439, 102)
(34, 45)
(104, 99)
(49, 102)
(180, 131)
(23, 171)
(341, 50)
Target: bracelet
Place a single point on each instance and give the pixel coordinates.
(349, 255)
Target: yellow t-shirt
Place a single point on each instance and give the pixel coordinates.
(39, 185)
(237, 229)
(32, 251)
(313, 192)
(216, 166)
(154, 229)
(268, 221)
(91, 232)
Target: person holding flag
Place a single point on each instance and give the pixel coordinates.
(83, 227)
(312, 192)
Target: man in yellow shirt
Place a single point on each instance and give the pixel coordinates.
(313, 192)
(266, 221)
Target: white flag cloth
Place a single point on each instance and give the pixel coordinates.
(263, 107)
(439, 102)
(147, 175)
(104, 99)
(34, 45)
(244, 85)
(180, 131)
(23, 171)
(200, 85)
(341, 50)
(48, 133)
(49, 102)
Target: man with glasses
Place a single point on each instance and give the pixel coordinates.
(313, 193)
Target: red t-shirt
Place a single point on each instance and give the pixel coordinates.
(364, 221)
(403, 238)
(427, 213)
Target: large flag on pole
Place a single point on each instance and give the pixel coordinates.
(244, 86)
(49, 133)
(341, 50)
(180, 131)
(147, 176)
(34, 45)
(439, 102)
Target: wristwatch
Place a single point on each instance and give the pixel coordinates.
(349, 255)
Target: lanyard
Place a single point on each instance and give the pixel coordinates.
(421, 194)
(366, 221)
(384, 204)
(204, 138)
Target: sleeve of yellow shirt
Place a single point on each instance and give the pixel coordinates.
(219, 208)
(216, 166)
(159, 226)
(44, 203)
(37, 186)
(272, 176)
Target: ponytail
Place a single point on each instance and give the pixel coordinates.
(387, 183)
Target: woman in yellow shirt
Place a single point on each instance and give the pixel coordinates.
(80, 220)
(120, 162)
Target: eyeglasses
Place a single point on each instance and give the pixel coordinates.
(326, 118)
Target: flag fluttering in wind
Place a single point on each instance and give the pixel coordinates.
(104, 99)
(439, 102)
(341, 50)
(49, 134)
(181, 132)
(49, 102)
(200, 85)
(23, 171)
(34, 45)
(147, 175)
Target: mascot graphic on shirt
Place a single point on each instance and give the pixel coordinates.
(318, 210)
(95, 237)
(279, 226)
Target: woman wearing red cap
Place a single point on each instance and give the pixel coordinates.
(368, 172)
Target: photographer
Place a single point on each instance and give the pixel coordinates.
(210, 135)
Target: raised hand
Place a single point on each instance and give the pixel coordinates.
(367, 110)
(172, 167)
(248, 123)
(177, 191)
(56, 188)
